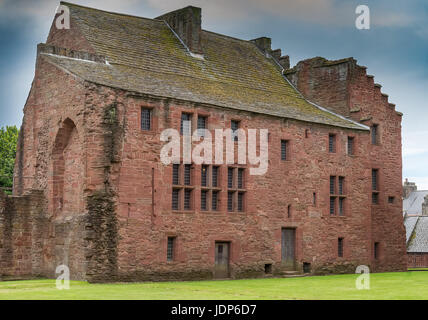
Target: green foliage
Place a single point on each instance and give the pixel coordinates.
(8, 140)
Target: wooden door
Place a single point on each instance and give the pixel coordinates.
(288, 244)
(221, 269)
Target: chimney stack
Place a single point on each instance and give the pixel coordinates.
(186, 23)
(265, 45)
(408, 187)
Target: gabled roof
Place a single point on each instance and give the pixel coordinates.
(145, 56)
(413, 203)
(418, 241)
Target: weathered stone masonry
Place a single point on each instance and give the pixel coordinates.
(90, 190)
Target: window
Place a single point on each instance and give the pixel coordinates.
(314, 199)
(214, 181)
(170, 249)
(204, 194)
(284, 150)
(289, 211)
(375, 186)
(187, 199)
(186, 124)
(307, 131)
(240, 178)
(340, 247)
(230, 177)
(234, 125)
(176, 174)
(214, 201)
(350, 146)
(240, 201)
(202, 125)
(375, 133)
(332, 143)
(391, 200)
(230, 195)
(146, 119)
(175, 199)
(204, 175)
(187, 174)
(376, 250)
(337, 195)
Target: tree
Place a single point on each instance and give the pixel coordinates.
(8, 140)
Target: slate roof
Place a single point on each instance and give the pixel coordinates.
(145, 56)
(418, 241)
(410, 223)
(413, 203)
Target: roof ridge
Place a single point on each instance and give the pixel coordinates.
(226, 36)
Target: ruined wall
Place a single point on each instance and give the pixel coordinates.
(345, 88)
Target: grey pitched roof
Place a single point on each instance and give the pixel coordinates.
(418, 241)
(145, 56)
(413, 204)
(410, 223)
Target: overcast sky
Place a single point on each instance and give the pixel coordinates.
(394, 49)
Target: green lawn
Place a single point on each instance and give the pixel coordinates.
(405, 285)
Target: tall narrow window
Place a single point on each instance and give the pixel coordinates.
(175, 199)
(341, 185)
(332, 205)
(202, 125)
(146, 119)
(375, 133)
(214, 201)
(214, 181)
(234, 125)
(186, 124)
(284, 150)
(314, 199)
(230, 177)
(204, 175)
(240, 178)
(332, 185)
(187, 199)
(341, 206)
(175, 174)
(170, 249)
(240, 201)
(187, 174)
(332, 143)
(204, 194)
(350, 146)
(230, 206)
(375, 198)
(375, 186)
(289, 211)
(376, 250)
(340, 247)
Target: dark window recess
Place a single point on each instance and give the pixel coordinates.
(391, 199)
(374, 133)
(332, 205)
(340, 247)
(187, 199)
(332, 143)
(187, 174)
(341, 185)
(314, 199)
(284, 149)
(240, 178)
(341, 206)
(146, 119)
(214, 177)
(332, 185)
(175, 199)
(376, 250)
(268, 268)
(375, 183)
(230, 177)
(234, 125)
(230, 201)
(306, 267)
(186, 124)
(240, 201)
(375, 198)
(175, 174)
(214, 200)
(289, 211)
(204, 175)
(204, 199)
(350, 145)
(202, 124)
(170, 249)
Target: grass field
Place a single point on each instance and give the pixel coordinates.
(405, 285)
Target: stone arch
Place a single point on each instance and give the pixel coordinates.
(67, 175)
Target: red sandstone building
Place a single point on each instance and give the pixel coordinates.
(91, 192)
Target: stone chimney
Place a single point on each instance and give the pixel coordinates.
(186, 23)
(265, 45)
(408, 187)
(425, 206)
